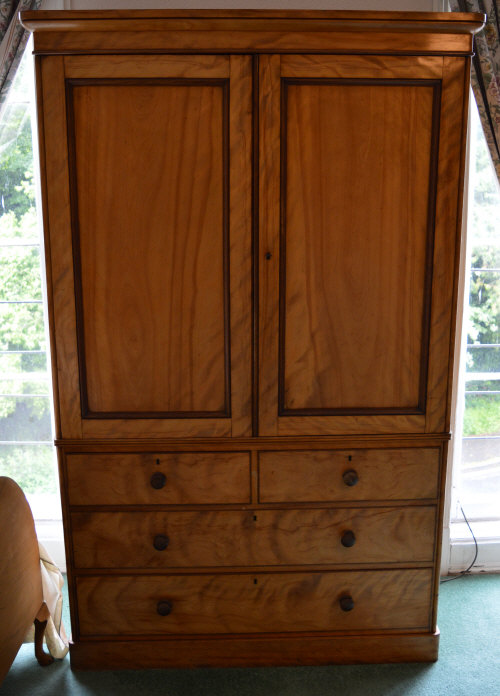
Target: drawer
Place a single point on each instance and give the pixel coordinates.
(254, 603)
(246, 538)
(158, 479)
(348, 475)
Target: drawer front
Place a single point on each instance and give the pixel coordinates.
(257, 603)
(158, 479)
(348, 475)
(259, 537)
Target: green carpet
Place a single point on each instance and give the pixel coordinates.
(469, 664)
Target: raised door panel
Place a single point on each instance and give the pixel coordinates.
(354, 237)
(347, 255)
(159, 171)
(151, 243)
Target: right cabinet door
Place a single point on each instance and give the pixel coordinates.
(360, 167)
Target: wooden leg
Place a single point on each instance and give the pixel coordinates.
(43, 658)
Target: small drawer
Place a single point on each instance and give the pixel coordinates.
(253, 538)
(348, 475)
(254, 603)
(177, 478)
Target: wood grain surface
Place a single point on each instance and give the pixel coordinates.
(388, 474)
(154, 333)
(354, 240)
(58, 244)
(47, 19)
(251, 224)
(142, 67)
(266, 603)
(268, 247)
(252, 537)
(359, 67)
(262, 40)
(248, 31)
(240, 243)
(449, 191)
(324, 380)
(254, 651)
(148, 342)
(191, 477)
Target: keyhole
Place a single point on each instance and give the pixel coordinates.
(255, 581)
(268, 256)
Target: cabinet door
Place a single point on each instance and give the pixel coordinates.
(360, 165)
(148, 192)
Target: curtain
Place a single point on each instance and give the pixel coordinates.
(486, 71)
(13, 41)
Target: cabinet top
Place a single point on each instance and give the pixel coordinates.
(252, 31)
(353, 15)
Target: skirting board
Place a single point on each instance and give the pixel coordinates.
(228, 651)
(462, 554)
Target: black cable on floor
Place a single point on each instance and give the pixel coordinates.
(464, 572)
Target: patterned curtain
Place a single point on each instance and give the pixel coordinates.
(486, 71)
(13, 40)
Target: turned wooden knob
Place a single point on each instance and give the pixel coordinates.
(164, 607)
(160, 542)
(158, 480)
(350, 477)
(348, 538)
(346, 603)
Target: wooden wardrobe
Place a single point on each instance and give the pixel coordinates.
(252, 225)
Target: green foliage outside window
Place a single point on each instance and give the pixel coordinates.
(25, 400)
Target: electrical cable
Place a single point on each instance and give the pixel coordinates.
(464, 572)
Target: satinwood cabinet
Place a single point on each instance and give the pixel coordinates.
(252, 225)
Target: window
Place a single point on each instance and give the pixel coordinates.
(26, 450)
(477, 465)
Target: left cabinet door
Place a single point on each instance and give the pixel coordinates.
(146, 170)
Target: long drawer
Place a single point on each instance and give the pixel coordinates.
(254, 603)
(348, 475)
(158, 478)
(258, 537)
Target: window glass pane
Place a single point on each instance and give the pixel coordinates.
(482, 414)
(20, 273)
(25, 418)
(483, 358)
(21, 327)
(26, 451)
(32, 466)
(481, 477)
(18, 229)
(484, 307)
(478, 488)
(34, 384)
(16, 362)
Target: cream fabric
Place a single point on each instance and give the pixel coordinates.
(52, 583)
